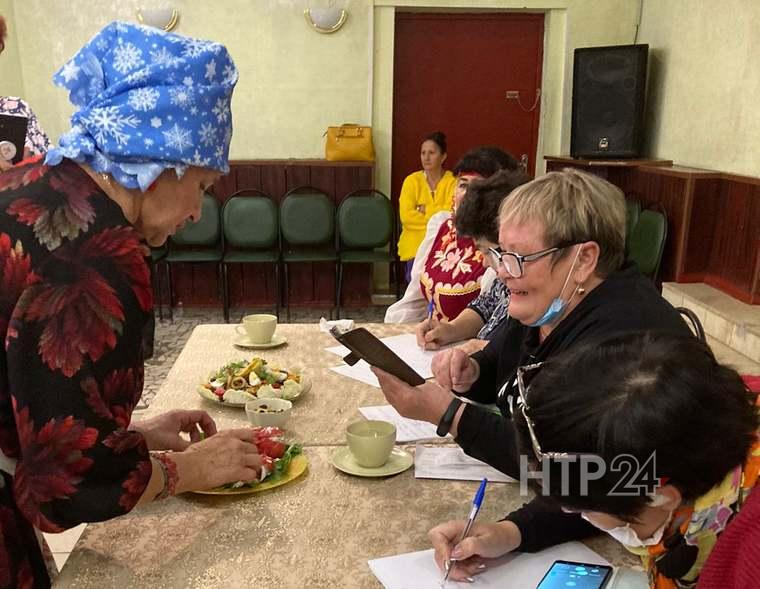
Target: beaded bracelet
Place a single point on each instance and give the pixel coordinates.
(169, 470)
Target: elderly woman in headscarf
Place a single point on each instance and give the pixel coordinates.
(151, 132)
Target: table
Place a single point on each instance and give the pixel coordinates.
(318, 531)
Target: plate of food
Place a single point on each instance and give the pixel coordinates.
(283, 462)
(240, 381)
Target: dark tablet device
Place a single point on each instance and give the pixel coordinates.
(13, 130)
(365, 346)
(578, 575)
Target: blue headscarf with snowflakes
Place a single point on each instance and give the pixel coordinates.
(148, 100)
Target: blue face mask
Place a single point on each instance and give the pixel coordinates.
(556, 309)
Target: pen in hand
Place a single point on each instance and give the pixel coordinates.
(476, 503)
(430, 307)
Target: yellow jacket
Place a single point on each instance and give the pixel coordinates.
(415, 192)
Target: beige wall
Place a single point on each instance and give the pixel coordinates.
(11, 82)
(704, 82)
(294, 82)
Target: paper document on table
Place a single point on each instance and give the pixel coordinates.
(359, 371)
(417, 570)
(441, 462)
(407, 430)
(405, 347)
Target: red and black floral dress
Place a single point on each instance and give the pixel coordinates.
(74, 297)
(452, 272)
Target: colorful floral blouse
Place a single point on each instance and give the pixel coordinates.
(452, 272)
(676, 562)
(36, 140)
(74, 296)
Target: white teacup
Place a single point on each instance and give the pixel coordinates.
(371, 442)
(258, 328)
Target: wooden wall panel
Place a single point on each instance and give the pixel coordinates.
(713, 220)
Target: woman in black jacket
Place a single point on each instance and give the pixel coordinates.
(561, 255)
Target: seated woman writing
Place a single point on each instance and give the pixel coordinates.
(561, 255)
(448, 270)
(666, 404)
(477, 218)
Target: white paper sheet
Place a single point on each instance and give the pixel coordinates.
(441, 462)
(405, 347)
(417, 570)
(359, 371)
(407, 430)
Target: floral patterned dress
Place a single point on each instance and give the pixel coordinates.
(452, 272)
(74, 296)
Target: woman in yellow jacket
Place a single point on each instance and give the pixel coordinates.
(423, 194)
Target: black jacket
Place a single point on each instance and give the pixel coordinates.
(625, 301)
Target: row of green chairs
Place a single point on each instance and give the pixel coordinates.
(306, 227)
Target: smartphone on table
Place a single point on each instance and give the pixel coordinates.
(566, 574)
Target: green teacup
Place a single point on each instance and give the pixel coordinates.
(371, 442)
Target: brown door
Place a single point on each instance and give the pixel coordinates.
(452, 73)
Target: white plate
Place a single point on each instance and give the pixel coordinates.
(243, 342)
(210, 396)
(399, 461)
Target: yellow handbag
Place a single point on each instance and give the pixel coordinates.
(349, 142)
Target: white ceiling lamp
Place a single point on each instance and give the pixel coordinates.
(160, 18)
(326, 20)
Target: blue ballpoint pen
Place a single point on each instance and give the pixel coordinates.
(476, 503)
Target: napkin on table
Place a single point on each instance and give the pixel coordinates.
(342, 324)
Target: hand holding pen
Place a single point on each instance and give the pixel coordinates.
(474, 510)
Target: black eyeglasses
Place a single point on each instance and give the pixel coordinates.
(514, 263)
(523, 392)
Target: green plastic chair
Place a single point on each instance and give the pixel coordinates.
(307, 230)
(250, 227)
(648, 242)
(197, 243)
(365, 222)
(632, 212)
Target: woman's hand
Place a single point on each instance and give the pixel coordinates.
(432, 334)
(472, 345)
(485, 541)
(163, 432)
(226, 457)
(455, 370)
(427, 402)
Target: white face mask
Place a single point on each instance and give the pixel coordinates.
(628, 537)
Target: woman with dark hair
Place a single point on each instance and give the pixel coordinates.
(150, 132)
(663, 405)
(423, 194)
(448, 268)
(477, 218)
(36, 141)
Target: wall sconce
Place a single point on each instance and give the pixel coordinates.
(160, 18)
(325, 20)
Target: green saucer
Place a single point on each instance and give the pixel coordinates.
(399, 461)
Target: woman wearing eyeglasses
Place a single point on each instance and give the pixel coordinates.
(690, 508)
(561, 255)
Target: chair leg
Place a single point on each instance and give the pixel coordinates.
(339, 288)
(277, 290)
(286, 294)
(226, 292)
(171, 290)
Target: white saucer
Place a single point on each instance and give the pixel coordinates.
(242, 341)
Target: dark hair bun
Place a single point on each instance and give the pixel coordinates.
(439, 138)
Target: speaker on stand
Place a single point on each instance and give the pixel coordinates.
(609, 92)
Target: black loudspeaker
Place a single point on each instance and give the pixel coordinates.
(609, 90)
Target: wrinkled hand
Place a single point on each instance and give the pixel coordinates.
(164, 431)
(427, 402)
(472, 345)
(432, 334)
(485, 541)
(455, 370)
(226, 457)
